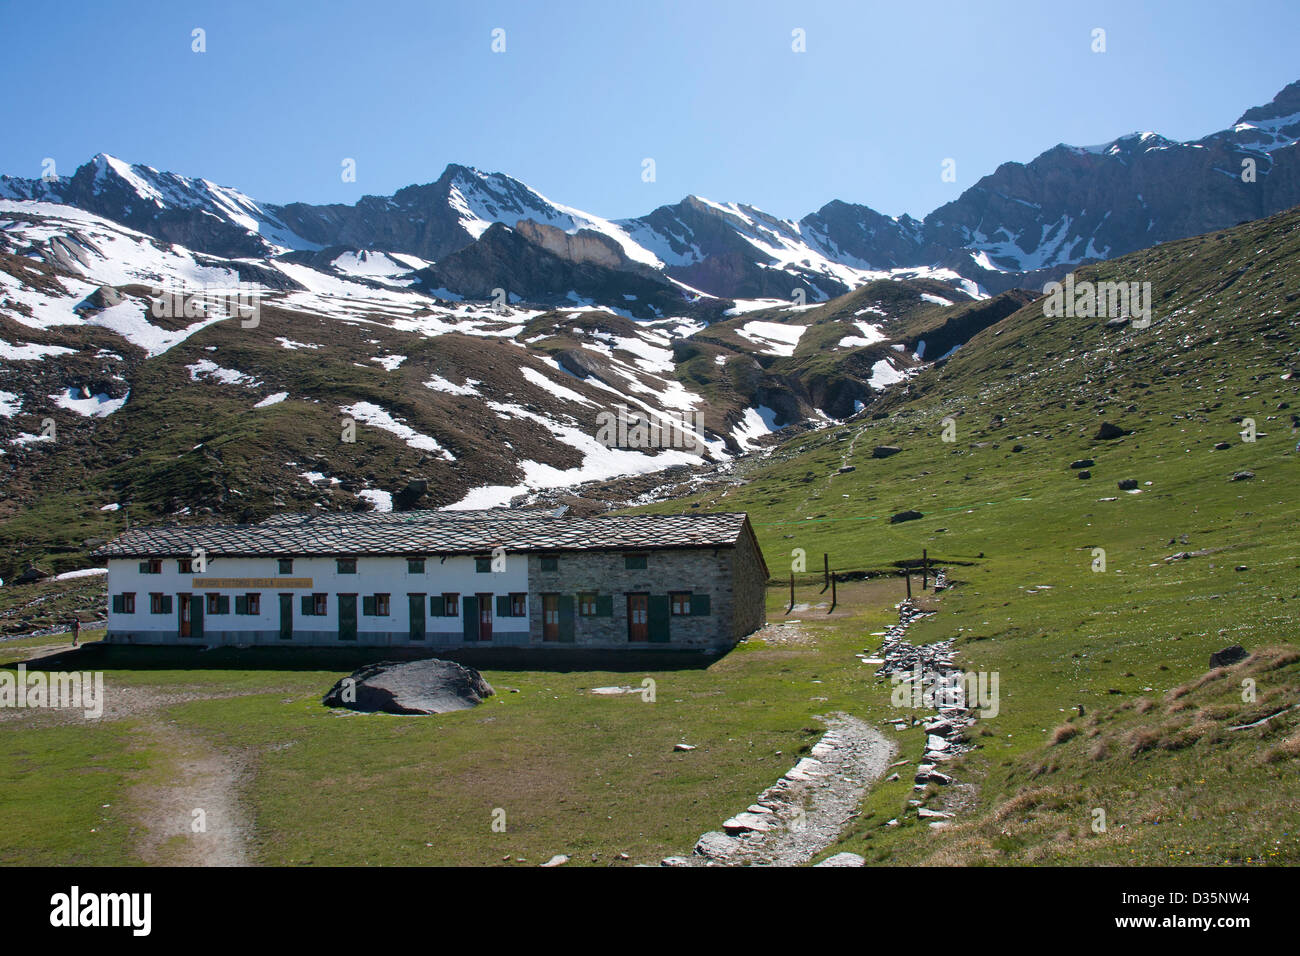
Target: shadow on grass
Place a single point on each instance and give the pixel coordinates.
(101, 656)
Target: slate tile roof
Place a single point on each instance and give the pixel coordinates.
(430, 532)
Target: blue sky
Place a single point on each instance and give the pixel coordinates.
(584, 91)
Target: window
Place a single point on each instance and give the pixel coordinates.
(550, 563)
(681, 603)
(286, 566)
(451, 605)
(415, 565)
(634, 562)
(185, 566)
(152, 566)
(586, 605)
(320, 604)
(347, 565)
(159, 604)
(375, 605)
(483, 565)
(519, 605)
(248, 604)
(124, 603)
(218, 604)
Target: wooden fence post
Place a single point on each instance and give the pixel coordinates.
(908, 575)
(791, 592)
(925, 569)
(833, 598)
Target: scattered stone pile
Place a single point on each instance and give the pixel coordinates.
(941, 688)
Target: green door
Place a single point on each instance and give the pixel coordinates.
(659, 617)
(286, 617)
(416, 602)
(469, 605)
(566, 618)
(347, 617)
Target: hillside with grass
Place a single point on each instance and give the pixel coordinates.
(1107, 700)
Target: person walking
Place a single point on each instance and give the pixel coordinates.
(76, 630)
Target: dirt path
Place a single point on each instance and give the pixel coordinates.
(807, 809)
(188, 775)
(195, 818)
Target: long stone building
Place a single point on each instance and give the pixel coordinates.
(431, 579)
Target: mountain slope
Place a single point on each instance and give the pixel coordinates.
(132, 383)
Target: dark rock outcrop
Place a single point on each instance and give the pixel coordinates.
(1228, 656)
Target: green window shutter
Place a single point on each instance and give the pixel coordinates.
(503, 605)
(470, 630)
(699, 605)
(119, 604)
(566, 617)
(604, 605)
(167, 604)
(223, 604)
(306, 605)
(482, 565)
(634, 562)
(368, 605)
(658, 618)
(241, 604)
(144, 567)
(437, 606)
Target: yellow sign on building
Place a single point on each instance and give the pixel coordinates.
(234, 584)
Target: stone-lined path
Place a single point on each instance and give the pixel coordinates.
(807, 809)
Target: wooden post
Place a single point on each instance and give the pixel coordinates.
(826, 570)
(908, 575)
(833, 598)
(925, 569)
(791, 591)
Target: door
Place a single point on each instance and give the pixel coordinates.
(550, 617)
(484, 617)
(469, 619)
(347, 617)
(191, 615)
(416, 602)
(286, 617)
(660, 616)
(638, 617)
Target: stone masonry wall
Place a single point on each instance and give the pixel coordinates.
(749, 587)
(706, 571)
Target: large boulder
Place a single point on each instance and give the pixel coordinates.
(1109, 430)
(428, 686)
(410, 496)
(905, 516)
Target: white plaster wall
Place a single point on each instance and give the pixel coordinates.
(375, 575)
